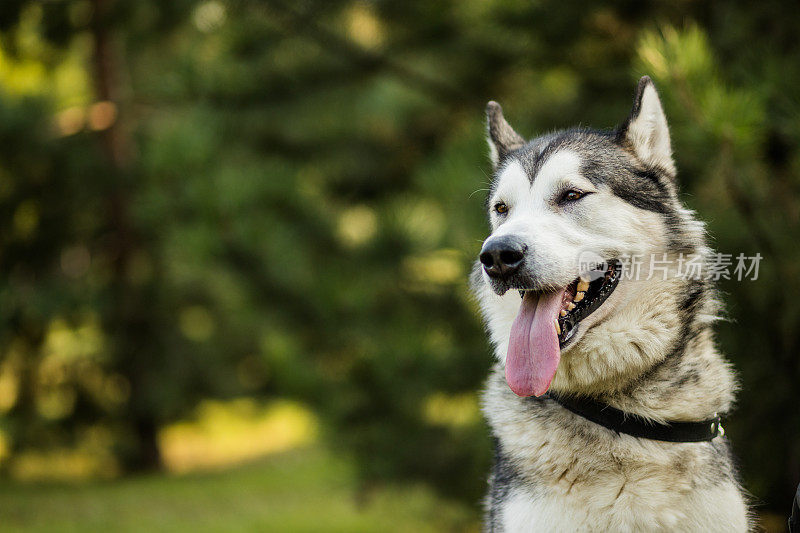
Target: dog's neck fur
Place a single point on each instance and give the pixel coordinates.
(661, 368)
(693, 383)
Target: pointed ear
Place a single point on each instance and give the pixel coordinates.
(501, 136)
(646, 129)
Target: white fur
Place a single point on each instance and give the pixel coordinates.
(494, 155)
(603, 510)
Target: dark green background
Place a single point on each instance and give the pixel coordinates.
(290, 198)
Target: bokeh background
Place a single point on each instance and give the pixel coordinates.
(235, 237)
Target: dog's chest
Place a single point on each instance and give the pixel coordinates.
(556, 487)
(561, 490)
(556, 472)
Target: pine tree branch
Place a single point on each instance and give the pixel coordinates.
(307, 23)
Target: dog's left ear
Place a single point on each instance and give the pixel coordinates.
(646, 130)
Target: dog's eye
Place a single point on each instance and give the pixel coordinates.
(500, 208)
(572, 195)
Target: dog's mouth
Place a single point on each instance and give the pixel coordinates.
(548, 322)
(583, 297)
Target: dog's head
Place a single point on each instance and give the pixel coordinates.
(565, 209)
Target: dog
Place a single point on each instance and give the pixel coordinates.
(605, 400)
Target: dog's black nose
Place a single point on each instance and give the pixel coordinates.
(502, 256)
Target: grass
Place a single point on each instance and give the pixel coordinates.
(301, 490)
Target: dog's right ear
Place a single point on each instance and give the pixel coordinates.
(501, 136)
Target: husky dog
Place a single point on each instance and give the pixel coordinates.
(567, 337)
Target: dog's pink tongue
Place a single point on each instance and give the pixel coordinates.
(533, 351)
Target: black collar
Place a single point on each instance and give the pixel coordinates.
(622, 422)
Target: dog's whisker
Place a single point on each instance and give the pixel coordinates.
(477, 191)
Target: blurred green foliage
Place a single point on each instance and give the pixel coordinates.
(217, 199)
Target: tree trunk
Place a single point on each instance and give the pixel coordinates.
(128, 321)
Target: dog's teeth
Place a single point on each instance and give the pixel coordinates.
(583, 285)
(579, 296)
(563, 312)
(558, 328)
(570, 306)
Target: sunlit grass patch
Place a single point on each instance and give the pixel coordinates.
(63, 464)
(225, 433)
(91, 457)
(219, 434)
